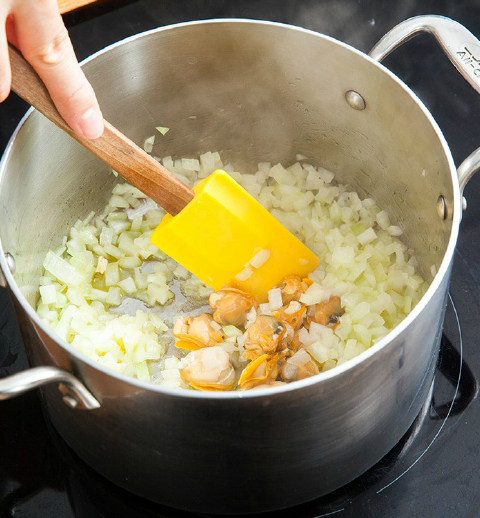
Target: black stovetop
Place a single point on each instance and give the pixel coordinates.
(435, 468)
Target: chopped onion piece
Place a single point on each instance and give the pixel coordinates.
(251, 317)
(367, 237)
(64, 323)
(190, 164)
(113, 251)
(112, 274)
(314, 294)
(101, 265)
(106, 236)
(394, 230)
(382, 219)
(129, 262)
(325, 175)
(245, 274)
(343, 255)
(275, 299)
(148, 144)
(48, 294)
(107, 267)
(264, 309)
(62, 270)
(260, 258)
(118, 202)
(141, 370)
(231, 331)
(128, 285)
(293, 307)
(114, 296)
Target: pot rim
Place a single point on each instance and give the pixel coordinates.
(349, 365)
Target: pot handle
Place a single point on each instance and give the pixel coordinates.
(74, 393)
(461, 47)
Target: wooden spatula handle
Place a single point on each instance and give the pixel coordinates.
(113, 147)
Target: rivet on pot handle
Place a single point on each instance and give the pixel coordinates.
(461, 47)
(75, 395)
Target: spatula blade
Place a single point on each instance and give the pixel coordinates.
(226, 238)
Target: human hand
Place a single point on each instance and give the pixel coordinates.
(36, 28)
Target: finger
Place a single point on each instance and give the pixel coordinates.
(10, 28)
(5, 72)
(43, 40)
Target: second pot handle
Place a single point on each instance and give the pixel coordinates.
(461, 47)
(459, 44)
(75, 394)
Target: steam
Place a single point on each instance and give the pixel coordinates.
(352, 23)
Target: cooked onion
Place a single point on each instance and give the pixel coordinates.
(108, 258)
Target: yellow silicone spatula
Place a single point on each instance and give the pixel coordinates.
(217, 231)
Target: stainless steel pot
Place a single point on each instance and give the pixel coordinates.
(258, 91)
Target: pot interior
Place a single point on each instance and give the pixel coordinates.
(254, 92)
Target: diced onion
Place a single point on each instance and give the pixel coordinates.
(293, 307)
(264, 309)
(107, 261)
(343, 255)
(190, 164)
(148, 144)
(394, 230)
(260, 258)
(101, 265)
(275, 299)
(367, 237)
(245, 274)
(314, 294)
(163, 130)
(61, 269)
(48, 294)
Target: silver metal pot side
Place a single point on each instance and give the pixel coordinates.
(257, 91)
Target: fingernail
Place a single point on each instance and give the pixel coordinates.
(91, 123)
